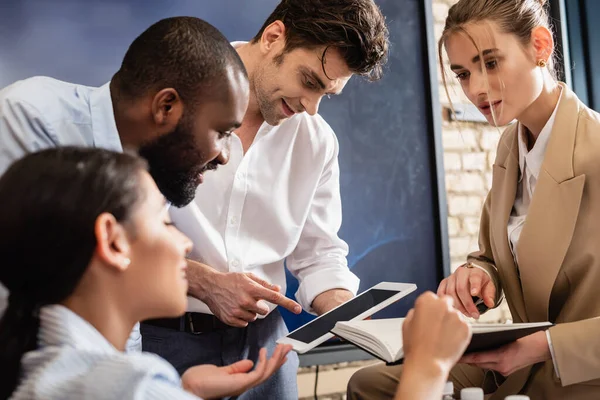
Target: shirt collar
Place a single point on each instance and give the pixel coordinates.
(535, 157)
(104, 127)
(59, 326)
(238, 43)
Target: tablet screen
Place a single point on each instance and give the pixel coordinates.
(322, 325)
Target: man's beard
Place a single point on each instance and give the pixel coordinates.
(175, 163)
(269, 109)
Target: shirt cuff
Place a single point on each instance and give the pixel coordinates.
(327, 279)
(552, 354)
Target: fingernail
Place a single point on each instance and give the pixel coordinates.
(297, 309)
(473, 292)
(475, 315)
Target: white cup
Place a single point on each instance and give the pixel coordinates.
(471, 394)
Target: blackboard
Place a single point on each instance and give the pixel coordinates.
(580, 42)
(390, 155)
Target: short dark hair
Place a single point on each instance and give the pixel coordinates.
(184, 53)
(73, 186)
(355, 27)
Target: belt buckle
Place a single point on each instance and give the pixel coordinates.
(191, 321)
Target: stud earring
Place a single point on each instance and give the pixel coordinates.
(542, 63)
(126, 262)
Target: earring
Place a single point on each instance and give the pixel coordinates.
(126, 262)
(542, 63)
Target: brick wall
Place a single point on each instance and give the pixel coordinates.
(469, 152)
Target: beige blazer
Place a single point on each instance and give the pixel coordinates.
(558, 276)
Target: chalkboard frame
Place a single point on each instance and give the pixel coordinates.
(571, 18)
(338, 353)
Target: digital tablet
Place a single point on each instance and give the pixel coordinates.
(364, 305)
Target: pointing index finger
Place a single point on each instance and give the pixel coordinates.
(277, 298)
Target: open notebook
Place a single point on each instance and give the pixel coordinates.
(382, 338)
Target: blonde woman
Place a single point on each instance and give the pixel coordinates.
(539, 237)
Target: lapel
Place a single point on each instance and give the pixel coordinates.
(552, 214)
(504, 189)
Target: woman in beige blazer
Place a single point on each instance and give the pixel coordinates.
(540, 227)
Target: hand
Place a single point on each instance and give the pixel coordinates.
(210, 381)
(507, 359)
(434, 334)
(464, 283)
(236, 298)
(330, 299)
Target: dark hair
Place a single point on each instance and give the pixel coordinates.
(355, 27)
(184, 53)
(51, 200)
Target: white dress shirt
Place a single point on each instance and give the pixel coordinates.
(74, 361)
(530, 164)
(280, 202)
(40, 112)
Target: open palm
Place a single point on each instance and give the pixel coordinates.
(210, 381)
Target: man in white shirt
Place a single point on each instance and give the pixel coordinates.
(179, 93)
(278, 199)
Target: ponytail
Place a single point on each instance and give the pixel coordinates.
(18, 334)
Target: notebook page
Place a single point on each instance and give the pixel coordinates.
(483, 328)
(387, 331)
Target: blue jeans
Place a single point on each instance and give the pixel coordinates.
(185, 350)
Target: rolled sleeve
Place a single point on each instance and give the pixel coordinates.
(326, 279)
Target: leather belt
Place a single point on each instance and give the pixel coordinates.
(190, 322)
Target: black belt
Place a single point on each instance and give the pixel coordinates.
(190, 322)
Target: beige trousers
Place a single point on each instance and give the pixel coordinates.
(380, 381)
